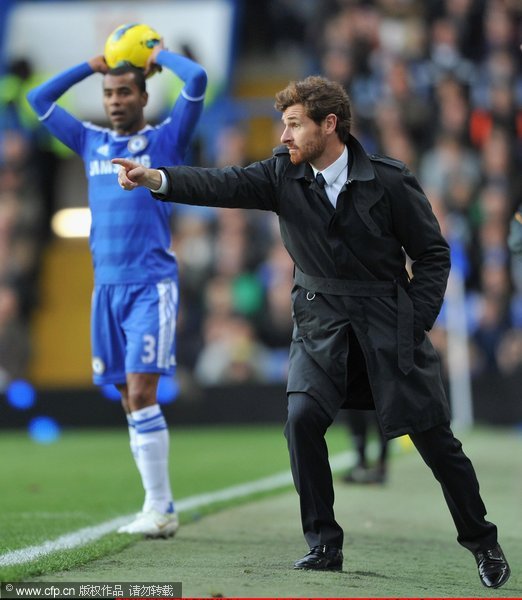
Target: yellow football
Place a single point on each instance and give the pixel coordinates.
(130, 45)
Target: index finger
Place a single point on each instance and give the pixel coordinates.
(123, 162)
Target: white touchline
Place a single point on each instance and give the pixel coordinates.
(90, 534)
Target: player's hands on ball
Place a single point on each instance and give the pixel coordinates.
(98, 64)
(151, 65)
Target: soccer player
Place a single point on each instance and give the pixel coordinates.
(135, 299)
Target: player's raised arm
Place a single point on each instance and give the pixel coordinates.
(188, 107)
(132, 175)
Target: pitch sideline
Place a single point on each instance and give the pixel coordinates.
(91, 534)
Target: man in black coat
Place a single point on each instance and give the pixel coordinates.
(348, 221)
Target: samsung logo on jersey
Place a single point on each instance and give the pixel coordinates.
(105, 167)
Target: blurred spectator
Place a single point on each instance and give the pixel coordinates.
(467, 17)
(44, 152)
(509, 351)
(274, 325)
(231, 353)
(14, 337)
(448, 161)
(499, 67)
(20, 249)
(499, 164)
(500, 112)
(360, 424)
(416, 112)
(499, 26)
(453, 109)
(445, 55)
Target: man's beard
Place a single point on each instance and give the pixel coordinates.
(310, 151)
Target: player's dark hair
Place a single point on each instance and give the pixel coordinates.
(320, 97)
(139, 76)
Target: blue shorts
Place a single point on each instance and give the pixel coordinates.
(133, 330)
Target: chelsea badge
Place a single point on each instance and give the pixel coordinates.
(137, 143)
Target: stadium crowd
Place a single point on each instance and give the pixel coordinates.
(436, 84)
(23, 231)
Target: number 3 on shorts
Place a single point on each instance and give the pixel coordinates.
(149, 349)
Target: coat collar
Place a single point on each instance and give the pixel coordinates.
(360, 169)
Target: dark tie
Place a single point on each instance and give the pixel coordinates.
(321, 181)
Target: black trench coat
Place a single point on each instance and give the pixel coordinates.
(363, 350)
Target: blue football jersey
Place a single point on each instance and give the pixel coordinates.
(130, 236)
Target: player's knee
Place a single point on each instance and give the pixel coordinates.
(304, 415)
(141, 390)
(140, 399)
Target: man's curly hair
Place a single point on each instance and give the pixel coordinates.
(320, 97)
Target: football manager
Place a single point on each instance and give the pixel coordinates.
(349, 221)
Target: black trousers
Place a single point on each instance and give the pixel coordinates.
(305, 433)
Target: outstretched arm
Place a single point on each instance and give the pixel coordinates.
(253, 186)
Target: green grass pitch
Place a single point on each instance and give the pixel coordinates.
(400, 541)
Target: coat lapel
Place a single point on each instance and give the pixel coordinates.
(365, 196)
(310, 186)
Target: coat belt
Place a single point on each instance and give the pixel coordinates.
(347, 287)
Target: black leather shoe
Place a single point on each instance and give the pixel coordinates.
(322, 558)
(493, 567)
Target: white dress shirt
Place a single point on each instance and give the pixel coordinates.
(335, 176)
(163, 188)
